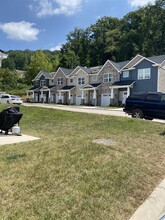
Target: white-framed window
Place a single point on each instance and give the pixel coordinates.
(125, 74)
(71, 80)
(42, 83)
(94, 78)
(108, 77)
(60, 81)
(144, 73)
(81, 80)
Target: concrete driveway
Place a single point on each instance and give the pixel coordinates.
(86, 109)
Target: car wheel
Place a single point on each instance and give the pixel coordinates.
(8, 102)
(137, 113)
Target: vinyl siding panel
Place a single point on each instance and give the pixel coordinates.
(144, 85)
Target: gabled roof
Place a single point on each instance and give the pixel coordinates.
(154, 59)
(132, 62)
(115, 65)
(46, 74)
(84, 69)
(66, 71)
(157, 59)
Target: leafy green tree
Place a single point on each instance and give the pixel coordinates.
(8, 63)
(39, 62)
(69, 60)
(8, 80)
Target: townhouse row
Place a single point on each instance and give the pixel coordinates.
(105, 85)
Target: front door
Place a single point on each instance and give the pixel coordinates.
(122, 96)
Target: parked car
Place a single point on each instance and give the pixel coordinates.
(146, 105)
(10, 99)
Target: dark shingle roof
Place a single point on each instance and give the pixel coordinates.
(67, 87)
(123, 83)
(157, 59)
(85, 69)
(95, 84)
(66, 71)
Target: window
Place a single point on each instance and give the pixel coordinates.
(94, 78)
(137, 96)
(108, 77)
(5, 97)
(153, 97)
(144, 73)
(81, 81)
(60, 81)
(42, 83)
(125, 74)
(71, 80)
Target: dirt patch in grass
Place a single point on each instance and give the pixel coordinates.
(106, 142)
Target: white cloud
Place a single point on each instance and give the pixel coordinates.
(56, 7)
(58, 47)
(20, 30)
(136, 3)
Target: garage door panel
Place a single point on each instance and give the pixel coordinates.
(105, 99)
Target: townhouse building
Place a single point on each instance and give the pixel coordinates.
(109, 84)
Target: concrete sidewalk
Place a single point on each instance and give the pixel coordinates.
(13, 139)
(154, 206)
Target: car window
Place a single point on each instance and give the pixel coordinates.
(5, 96)
(163, 98)
(137, 96)
(13, 97)
(153, 97)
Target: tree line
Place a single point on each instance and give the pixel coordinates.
(138, 32)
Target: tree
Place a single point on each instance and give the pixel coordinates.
(69, 60)
(39, 62)
(8, 80)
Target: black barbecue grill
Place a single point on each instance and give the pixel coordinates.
(9, 117)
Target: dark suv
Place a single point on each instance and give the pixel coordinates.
(146, 105)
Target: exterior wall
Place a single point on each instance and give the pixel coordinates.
(144, 85)
(78, 87)
(51, 82)
(73, 83)
(161, 78)
(60, 74)
(42, 78)
(104, 88)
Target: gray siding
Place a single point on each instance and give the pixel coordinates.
(144, 85)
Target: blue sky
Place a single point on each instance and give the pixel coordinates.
(44, 24)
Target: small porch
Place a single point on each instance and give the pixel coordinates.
(66, 95)
(120, 91)
(41, 94)
(91, 97)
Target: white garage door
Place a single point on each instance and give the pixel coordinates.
(78, 100)
(105, 99)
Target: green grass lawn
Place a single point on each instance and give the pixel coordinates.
(66, 176)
